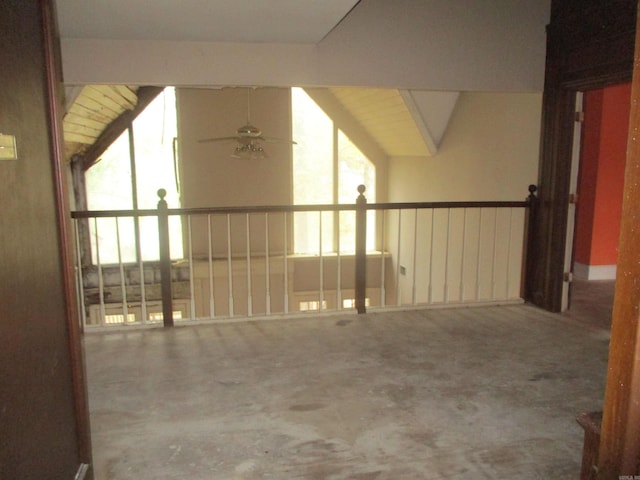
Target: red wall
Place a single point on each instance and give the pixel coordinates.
(601, 177)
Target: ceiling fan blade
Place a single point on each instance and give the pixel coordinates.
(247, 134)
(278, 140)
(217, 139)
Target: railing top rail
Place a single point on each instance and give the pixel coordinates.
(293, 208)
(215, 210)
(417, 205)
(114, 213)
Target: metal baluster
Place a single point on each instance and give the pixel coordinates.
(382, 275)
(100, 279)
(143, 295)
(398, 258)
(478, 256)
(339, 267)
(509, 253)
(229, 266)
(267, 266)
(79, 280)
(431, 234)
(494, 254)
(445, 293)
(415, 256)
(286, 266)
(464, 248)
(212, 305)
(123, 287)
(320, 259)
(192, 300)
(249, 297)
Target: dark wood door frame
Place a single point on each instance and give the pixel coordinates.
(590, 44)
(53, 65)
(619, 449)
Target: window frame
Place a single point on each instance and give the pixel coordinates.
(336, 131)
(82, 164)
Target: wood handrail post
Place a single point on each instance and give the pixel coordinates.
(529, 239)
(361, 250)
(165, 259)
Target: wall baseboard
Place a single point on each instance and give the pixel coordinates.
(594, 272)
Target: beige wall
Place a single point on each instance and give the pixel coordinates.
(210, 177)
(489, 152)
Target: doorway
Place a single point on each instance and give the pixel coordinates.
(600, 142)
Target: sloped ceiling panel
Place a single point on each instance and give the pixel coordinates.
(384, 114)
(92, 110)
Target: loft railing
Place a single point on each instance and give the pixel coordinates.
(239, 262)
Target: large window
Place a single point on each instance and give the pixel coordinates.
(127, 176)
(327, 168)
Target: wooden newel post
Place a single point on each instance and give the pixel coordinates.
(361, 250)
(532, 199)
(530, 245)
(165, 259)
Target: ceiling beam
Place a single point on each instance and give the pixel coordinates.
(431, 113)
(419, 121)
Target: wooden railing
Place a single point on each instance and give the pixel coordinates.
(425, 253)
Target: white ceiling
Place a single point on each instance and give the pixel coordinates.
(307, 21)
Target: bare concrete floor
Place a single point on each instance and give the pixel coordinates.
(475, 393)
(591, 303)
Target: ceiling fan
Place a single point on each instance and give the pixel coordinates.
(248, 138)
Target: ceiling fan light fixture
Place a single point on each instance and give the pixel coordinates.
(248, 138)
(251, 149)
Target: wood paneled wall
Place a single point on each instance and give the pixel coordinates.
(41, 436)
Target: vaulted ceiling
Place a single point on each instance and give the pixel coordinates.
(401, 122)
